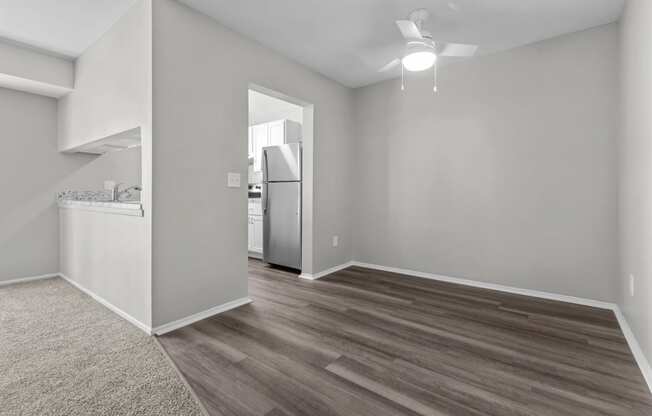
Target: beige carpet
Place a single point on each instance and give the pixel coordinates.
(62, 353)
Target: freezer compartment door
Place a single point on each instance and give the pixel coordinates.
(282, 224)
(282, 163)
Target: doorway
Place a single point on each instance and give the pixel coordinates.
(279, 179)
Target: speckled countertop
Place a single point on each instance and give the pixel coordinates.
(99, 201)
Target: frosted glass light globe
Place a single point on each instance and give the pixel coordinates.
(419, 60)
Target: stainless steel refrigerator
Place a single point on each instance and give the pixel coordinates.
(281, 201)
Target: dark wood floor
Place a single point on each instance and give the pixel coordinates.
(369, 343)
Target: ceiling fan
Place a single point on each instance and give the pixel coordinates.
(421, 51)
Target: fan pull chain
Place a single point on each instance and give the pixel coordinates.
(434, 88)
(402, 78)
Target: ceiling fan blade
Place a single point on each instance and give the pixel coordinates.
(409, 29)
(393, 64)
(458, 49)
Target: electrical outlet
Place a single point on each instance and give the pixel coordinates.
(631, 285)
(336, 240)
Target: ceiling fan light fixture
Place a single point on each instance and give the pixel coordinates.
(419, 60)
(421, 51)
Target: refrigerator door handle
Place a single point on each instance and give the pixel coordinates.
(265, 176)
(265, 165)
(265, 191)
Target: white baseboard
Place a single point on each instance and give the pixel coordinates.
(147, 329)
(634, 346)
(491, 286)
(310, 276)
(28, 279)
(171, 326)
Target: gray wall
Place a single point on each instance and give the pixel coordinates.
(507, 176)
(32, 171)
(636, 170)
(201, 74)
(123, 167)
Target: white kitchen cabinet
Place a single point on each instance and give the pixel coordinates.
(272, 134)
(255, 226)
(250, 142)
(291, 131)
(255, 234)
(250, 233)
(257, 245)
(259, 140)
(276, 133)
(255, 207)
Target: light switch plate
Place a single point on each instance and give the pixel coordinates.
(233, 180)
(336, 240)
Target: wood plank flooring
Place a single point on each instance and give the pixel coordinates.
(370, 343)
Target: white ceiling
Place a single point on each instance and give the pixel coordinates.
(345, 40)
(348, 40)
(264, 108)
(61, 27)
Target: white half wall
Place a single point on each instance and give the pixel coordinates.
(201, 75)
(508, 175)
(104, 254)
(636, 171)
